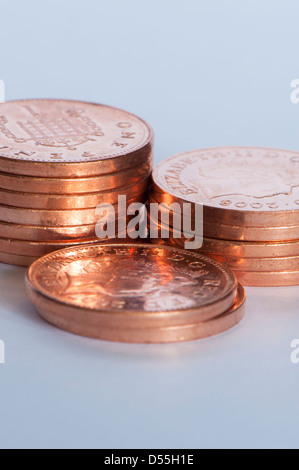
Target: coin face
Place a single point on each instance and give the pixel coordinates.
(131, 278)
(235, 178)
(58, 131)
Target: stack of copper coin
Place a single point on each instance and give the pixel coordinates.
(59, 161)
(250, 199)
(135, 293)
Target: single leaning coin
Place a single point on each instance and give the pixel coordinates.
(99, 327)
(143, 285)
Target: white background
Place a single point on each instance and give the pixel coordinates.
(203, 74)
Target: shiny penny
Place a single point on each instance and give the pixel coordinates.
(118, 320)
(268, 279)
(74, 185)
(56, 233)
(17, 260)
(51, 234)
(238, 185)
(290, 263)
(145, 281)
(70, 201)
(60, 138)
(26, 261)
(232, 232)
(238, 249)
(257, 234)
(76, 322)
(37, 233)
(55, 218)
(38, 249)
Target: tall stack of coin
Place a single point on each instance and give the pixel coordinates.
(60, 160)
(250, 199)
(135, 293)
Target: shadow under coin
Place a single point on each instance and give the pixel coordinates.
(14, 298)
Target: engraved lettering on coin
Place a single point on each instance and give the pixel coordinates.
(132, 278)
(32, 130)
(260, 178)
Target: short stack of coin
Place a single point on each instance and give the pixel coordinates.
(135, 293)
(250, 199)
(58, 161)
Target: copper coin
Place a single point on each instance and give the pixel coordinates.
(232, 232)
(118, 320)
(76, 322)
(51, 234)
(17, 260)
(239, 249)
(48, 234)
(38, 249)
(50, 218)
(70, 201)
(74, 185)
(143, 284)
(251, 249)
(269, 279)
(59, 138)
(26, 261)
(238, 185)
(290, 263)
(257, 234)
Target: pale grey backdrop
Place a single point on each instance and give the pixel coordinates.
(203, 73)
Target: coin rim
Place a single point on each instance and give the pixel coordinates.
(238, 232)
(136, 319)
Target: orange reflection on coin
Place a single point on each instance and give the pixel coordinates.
(237, 185)
(231, 232)
(135, 284)
(240, 249)
(73, 319)
(269, 279)
(17, 260)
(57, 218)
(70, 139)
(70, 201)
(74, 185)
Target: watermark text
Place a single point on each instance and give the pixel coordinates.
(295, 92)
(2, 352)
(295, 352)
(158, 221)
(2, 91)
